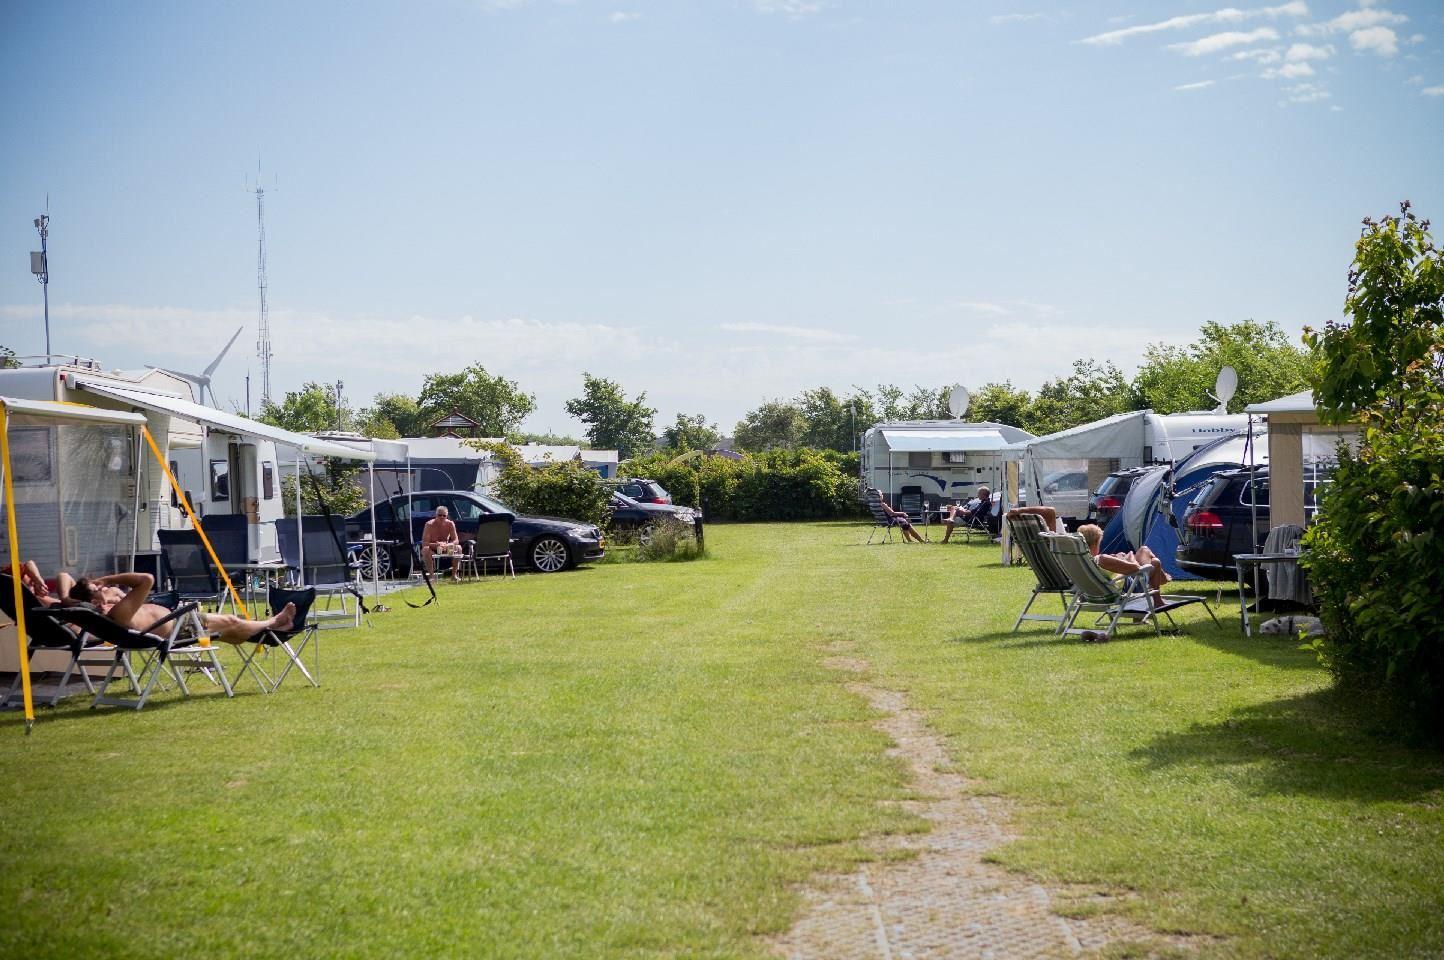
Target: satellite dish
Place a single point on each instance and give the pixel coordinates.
(1224, 388)
(958, 401)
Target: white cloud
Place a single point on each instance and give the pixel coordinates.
(1289, 71)
(1295, 8)
(1200, 85)
(981, 306)
(1305, 93)
(1307, 51)
(1433, 91)
(796, 9)
(1417, 38)
(1017, 17)
(1271, 55)
(1381, 40)
(624, 16)
(1222, 41)
(818, 334)
(1353, 20)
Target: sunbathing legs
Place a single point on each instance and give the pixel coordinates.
(235, 629)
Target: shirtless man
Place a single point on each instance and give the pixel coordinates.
(122, 597)
(439, 537)
(1051, 521)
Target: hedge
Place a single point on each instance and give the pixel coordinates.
(775, 485)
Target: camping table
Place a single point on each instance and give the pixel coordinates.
(256, 574)
(1242, 561)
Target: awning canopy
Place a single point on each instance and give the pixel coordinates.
(53, 413)
(1301, 402)
(225, 422)
(960, 441)
(1122, 434)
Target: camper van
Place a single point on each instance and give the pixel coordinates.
(223, 471)
(936, 461)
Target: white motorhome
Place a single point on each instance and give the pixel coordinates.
(939, 460)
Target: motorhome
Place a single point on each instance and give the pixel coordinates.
(936, 460)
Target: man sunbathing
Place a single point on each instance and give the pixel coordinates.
(122, 597)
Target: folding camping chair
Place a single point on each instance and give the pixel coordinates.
(328, 567)
(45, 634)
(162, 650)
(882, 520)
(1027, 533)
(1094, 590)
(492, 544)
(269, 640)
(910, 501)
(193, 575)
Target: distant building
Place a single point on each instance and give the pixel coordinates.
(456, 424)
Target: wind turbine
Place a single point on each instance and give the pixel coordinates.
(203, 379)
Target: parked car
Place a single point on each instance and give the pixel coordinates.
(1219, 522)
(1065, 491)
(643, 491)
(545, 544)
(1108, 499)
(633, 516)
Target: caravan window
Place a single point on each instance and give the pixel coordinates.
(220, 480)
(268, 480)
(30, 455)
(920, 460)
(174, 472)
(117, 455)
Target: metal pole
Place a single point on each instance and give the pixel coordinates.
(42, 224)
(300, 528)
(135, 503)
(375, 547)
(13, 534)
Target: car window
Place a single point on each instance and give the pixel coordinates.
(1073, 481)
(385, 513)
(466, 509)
(633, 490)
(422, 505)
(1247, 497)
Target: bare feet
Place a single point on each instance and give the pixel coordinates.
(284, 619)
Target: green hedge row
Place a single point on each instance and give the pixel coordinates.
(775, 485)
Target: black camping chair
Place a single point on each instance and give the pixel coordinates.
(162, 644)
(267, 640)
(493, 543)
(193, 575)
(328, 568)
(43, 633)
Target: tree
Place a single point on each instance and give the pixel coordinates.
(497, 404)
(690, 433)
(923, 403)
(1001, 403)
(1093, 391)
(311, 409)
(776, 425)
(1376, 549)
(1176, 379)
(613, 421)
(549, 439)
(391, 415)
(7, 359)
(832, 422)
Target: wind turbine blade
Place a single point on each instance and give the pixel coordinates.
(222, 355)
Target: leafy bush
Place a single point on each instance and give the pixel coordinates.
(566, 488)
(1377, 548)
(774, 485)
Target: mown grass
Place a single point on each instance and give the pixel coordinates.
(640, 759)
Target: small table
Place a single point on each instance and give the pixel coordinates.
(1241, 562)
(255, 574)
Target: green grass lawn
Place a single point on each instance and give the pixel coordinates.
(642, 759)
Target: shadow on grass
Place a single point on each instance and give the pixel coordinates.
(1320, 744)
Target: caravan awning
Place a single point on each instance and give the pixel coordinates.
(52, 412)
(961, 441)
(1301, 402)
(224, 422)
(1100, 439)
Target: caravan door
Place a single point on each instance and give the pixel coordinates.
(248, 463)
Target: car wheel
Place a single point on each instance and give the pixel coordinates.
(644, 535)
(376, 560)
(549, 555)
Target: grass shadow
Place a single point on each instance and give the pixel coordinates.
(1320, 744)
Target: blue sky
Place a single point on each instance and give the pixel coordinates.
(717, 203)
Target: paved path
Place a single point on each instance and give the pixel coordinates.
(946, 901)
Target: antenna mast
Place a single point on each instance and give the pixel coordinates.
(263, 325)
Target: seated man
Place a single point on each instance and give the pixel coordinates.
(122, 597)
(1130, 562)
(439, 538)
(48, 592)
(897, 517)
(980, 508)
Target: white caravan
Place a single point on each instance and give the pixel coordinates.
(938, 460)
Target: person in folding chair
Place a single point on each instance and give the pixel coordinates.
(48, 592)
(974, 513)
(123, 597)
(877, 503)
(1125, 563)
(440, 539)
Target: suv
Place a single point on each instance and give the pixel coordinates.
(1108, 499)
(545, 544)
(624, 514)
(1067, 492)
(1219, 522)
(643, 491)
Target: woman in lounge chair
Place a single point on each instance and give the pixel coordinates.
(898, 518)
(1130, 562)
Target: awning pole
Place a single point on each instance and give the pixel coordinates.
(300, 528)
(135, 502)
(375, 547)
(11, 528)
